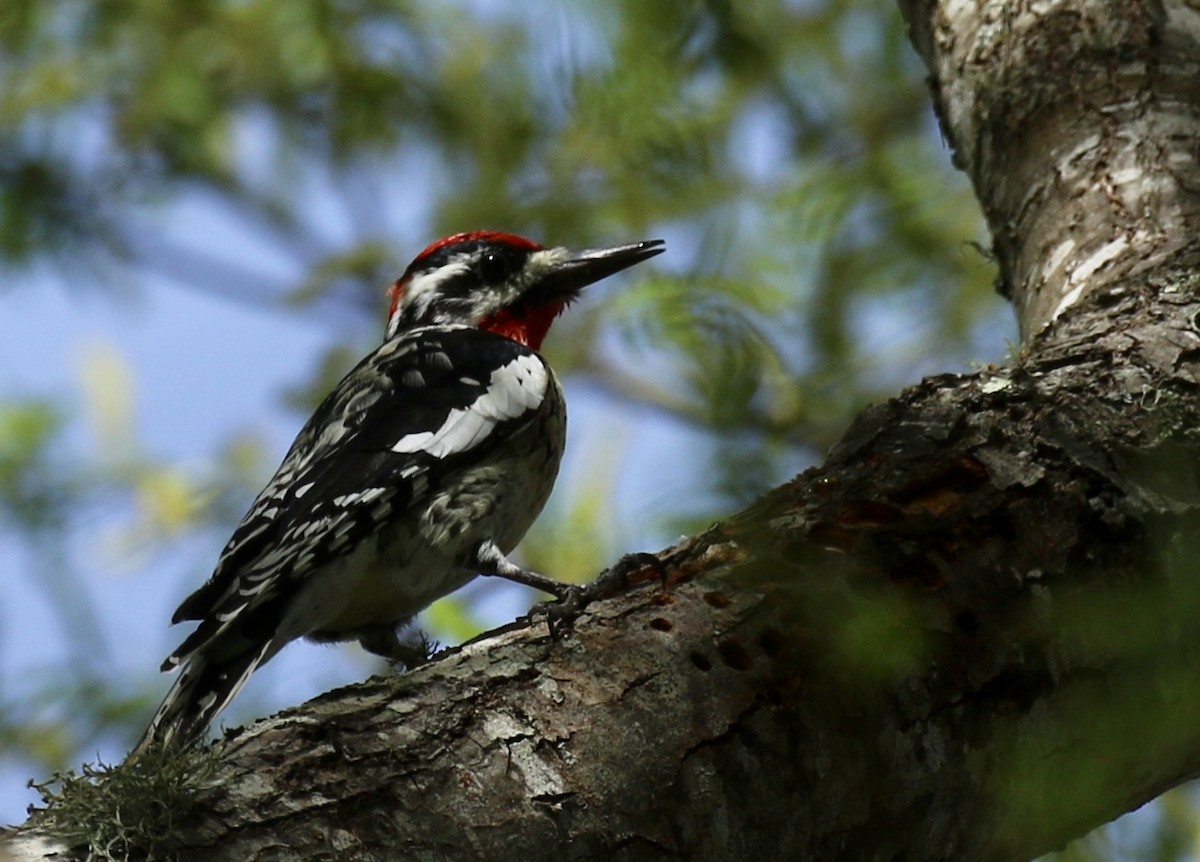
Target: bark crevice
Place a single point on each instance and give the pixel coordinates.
(972, 633)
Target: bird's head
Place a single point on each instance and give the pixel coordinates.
(501, 283)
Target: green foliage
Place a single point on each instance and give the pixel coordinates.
(820, 244)
(822, 253)
(124, 812)
(32, 491)
(788, 148)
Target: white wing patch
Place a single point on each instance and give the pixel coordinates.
(512, 390)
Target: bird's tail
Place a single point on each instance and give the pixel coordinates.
(203, 688)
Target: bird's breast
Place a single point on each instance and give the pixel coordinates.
(420, 556)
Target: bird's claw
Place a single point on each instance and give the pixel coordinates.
(573, 599)
(561, 614)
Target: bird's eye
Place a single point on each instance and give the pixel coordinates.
(493, 267)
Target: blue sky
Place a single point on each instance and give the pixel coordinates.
(203, 367)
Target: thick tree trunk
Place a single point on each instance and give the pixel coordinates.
(974, 633)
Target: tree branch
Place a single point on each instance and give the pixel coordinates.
(939, 643)
(971, 634)
(1077, 123)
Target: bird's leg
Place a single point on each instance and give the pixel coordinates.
(572, 598)
(490, 560)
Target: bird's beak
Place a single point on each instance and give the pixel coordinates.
(568, 272)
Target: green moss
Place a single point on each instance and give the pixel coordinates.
(124, 812)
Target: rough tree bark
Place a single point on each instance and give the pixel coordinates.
(973, 633)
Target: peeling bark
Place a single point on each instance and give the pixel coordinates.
(1077, 123)
(973, 633)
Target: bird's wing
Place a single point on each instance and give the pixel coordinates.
(416, 408)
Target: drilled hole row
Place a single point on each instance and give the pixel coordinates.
(735, 655)
(731, 651)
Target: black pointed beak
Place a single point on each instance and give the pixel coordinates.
(574, 270)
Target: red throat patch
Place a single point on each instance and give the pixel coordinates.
(528, 326)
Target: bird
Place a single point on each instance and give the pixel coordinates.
(423, 468)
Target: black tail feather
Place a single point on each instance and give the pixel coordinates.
(204, 687)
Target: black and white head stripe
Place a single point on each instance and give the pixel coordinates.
(443, 397)
(442, 285)
(469, 279)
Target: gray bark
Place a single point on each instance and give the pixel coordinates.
(972, 633)
(1076, 122)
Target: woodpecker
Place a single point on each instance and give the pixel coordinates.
(423, 468)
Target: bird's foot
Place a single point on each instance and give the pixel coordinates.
(573, 599)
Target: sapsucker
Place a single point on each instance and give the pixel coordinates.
(423, 468)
